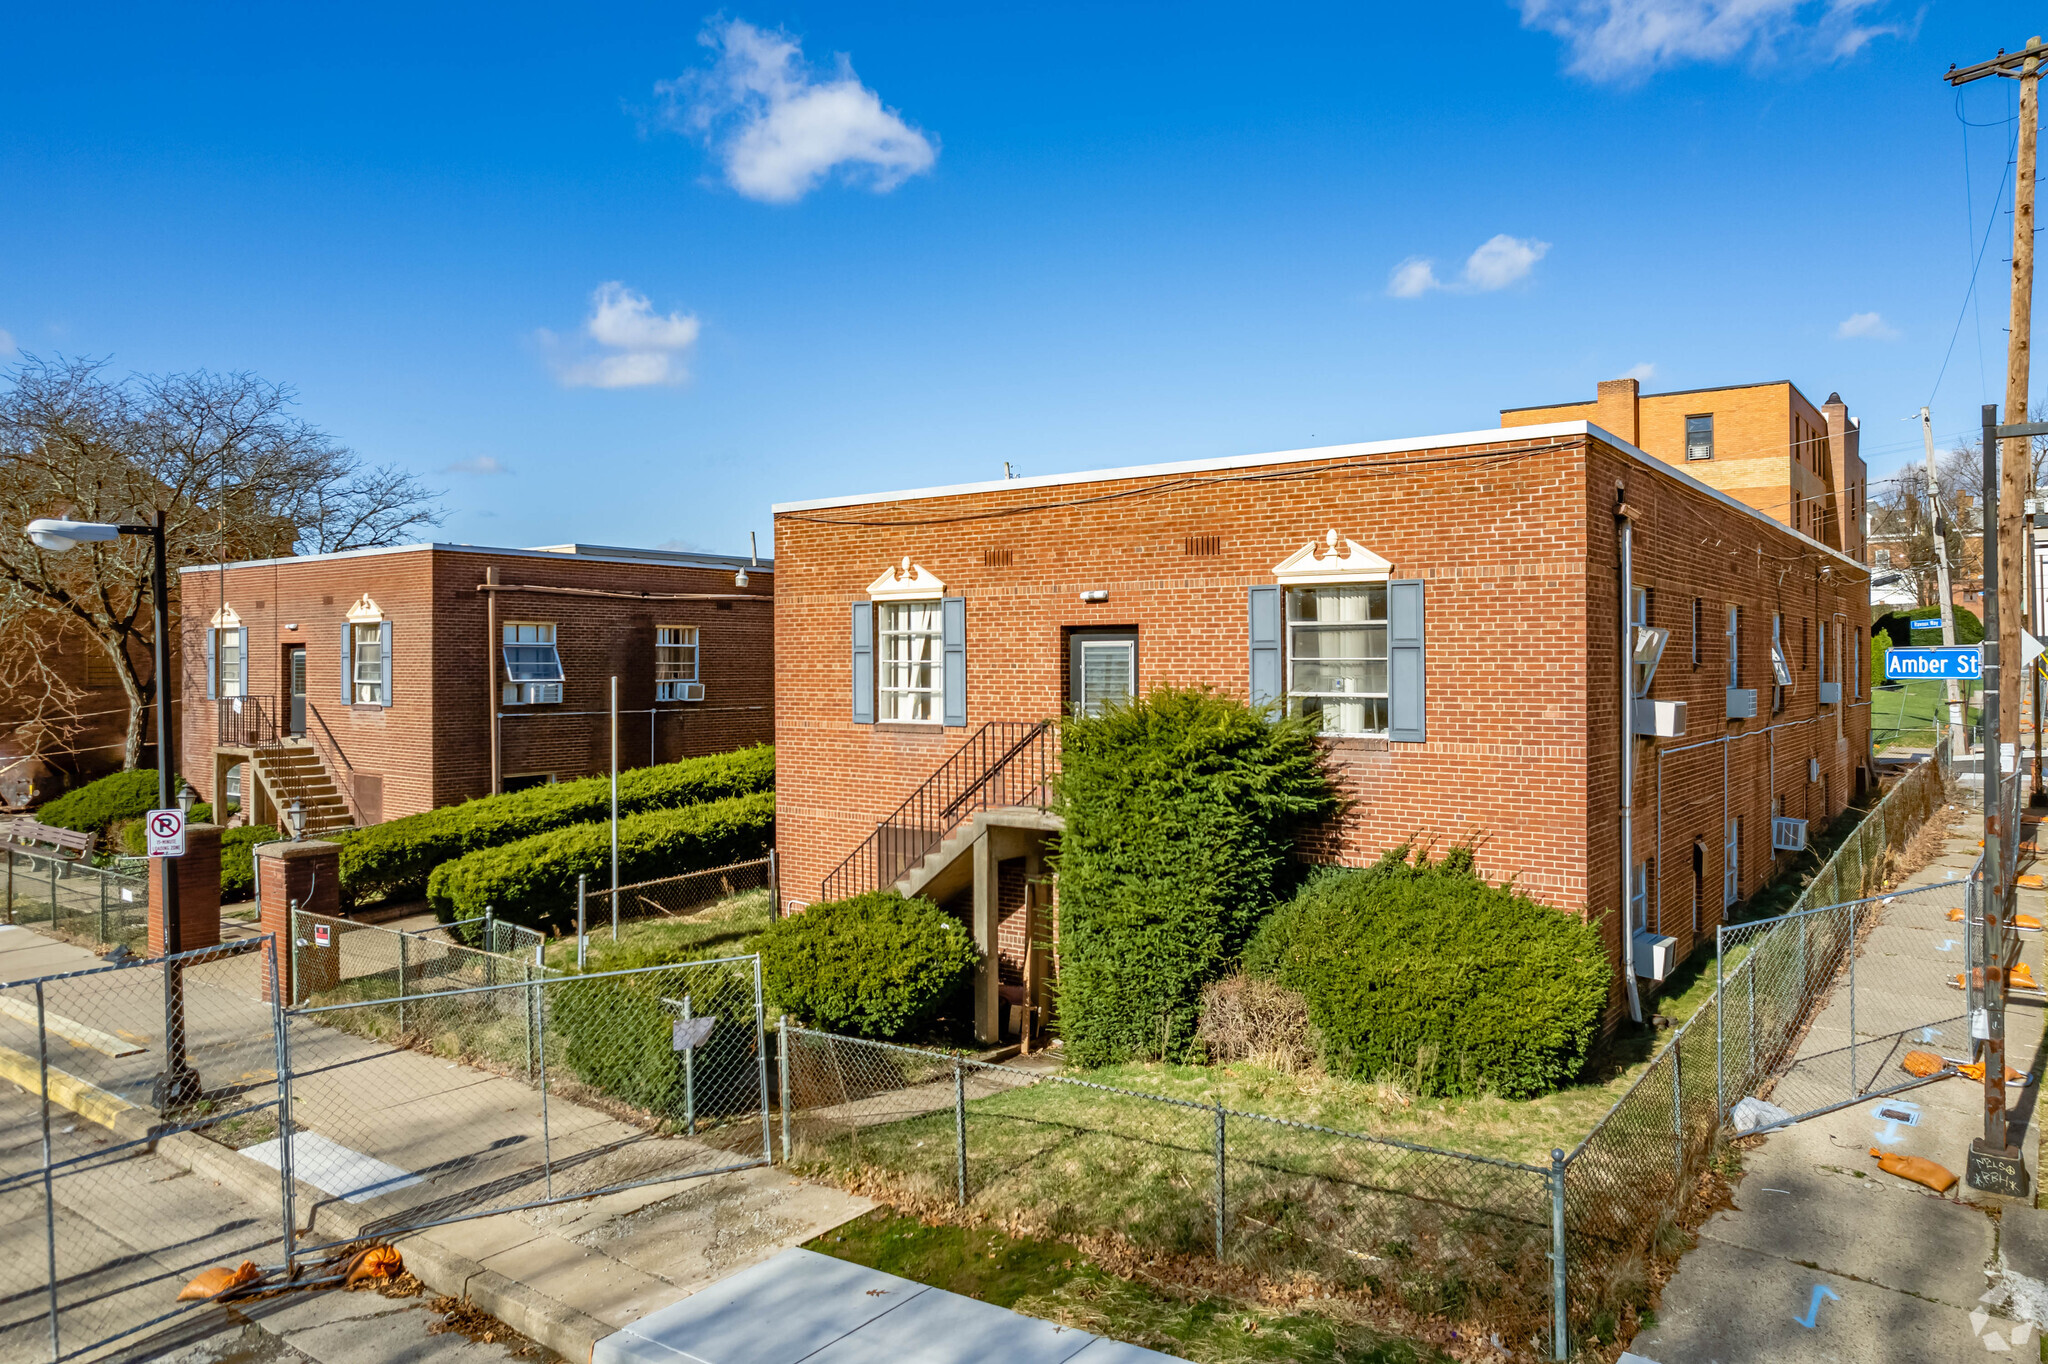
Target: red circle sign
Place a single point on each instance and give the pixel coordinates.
(165, 824)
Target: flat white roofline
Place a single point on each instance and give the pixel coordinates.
(1498, 435)
(639, 558)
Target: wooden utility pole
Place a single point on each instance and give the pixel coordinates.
(2015, 484)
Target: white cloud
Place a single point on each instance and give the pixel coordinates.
(1501, 260)
(1867, 327)
(1642, 373)
(6, 342)
(481, 464)
(779, 128)
(1626, 41)
(645, 348)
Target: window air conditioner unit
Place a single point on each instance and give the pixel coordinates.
(1830, 693)
(1654, 955)
(1664, 719)
(1787, 834)
(1742, 703)
(679, 691)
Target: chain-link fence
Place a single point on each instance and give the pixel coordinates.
(491, 1083)
(672, 897)
(1439, 1232)
(107, 1066)
(74, 900)
(1630, 1180)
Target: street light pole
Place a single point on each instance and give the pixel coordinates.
(178, 1083)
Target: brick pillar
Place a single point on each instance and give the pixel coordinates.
(308, 872)
(198, 873)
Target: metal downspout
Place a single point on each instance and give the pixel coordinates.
(1628, 756)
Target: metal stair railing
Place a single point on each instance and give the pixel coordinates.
(248, 722)
(1004, 763)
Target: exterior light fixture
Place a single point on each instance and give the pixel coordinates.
(58, 536)
(1095, 595)
(296, 817)
(187, 797)
(739, 579)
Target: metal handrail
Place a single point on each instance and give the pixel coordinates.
(1002, 763)
(332, 742)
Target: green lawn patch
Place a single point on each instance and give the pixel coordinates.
(725, 929)
(1903, 716)
(1056, 1282)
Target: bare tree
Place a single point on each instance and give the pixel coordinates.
(39, 698)
(221, 458)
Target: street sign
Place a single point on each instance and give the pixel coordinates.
(1934, 624)
(1911, 665)
(691, 1032)
(166, 832)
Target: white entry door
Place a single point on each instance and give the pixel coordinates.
(1102, 668)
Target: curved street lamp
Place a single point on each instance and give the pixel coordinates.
(179, 1083)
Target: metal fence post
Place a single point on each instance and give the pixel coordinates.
(1720, 983)
(1558, 1344)
(291, 922)
(280, 1022)
(53, 892)
(526, 1014)
(1852, 1001)
(10, 885)
(103, 909)
(404, 941)
(689, 1075)
(540, 1041)
(774, 888)
(960, 1131)
(1749, 969)
(782, 1074)
(761, 1061)
(581, 936)
(1222, 1186)
(49, 1188)
(1677, 1120)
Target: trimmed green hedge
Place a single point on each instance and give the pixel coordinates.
(238, 860)
(95, 805)
(1424, 971)
(618, 1034)
(398, 858)
(1181, 810)
(533, 881)
(876, 965)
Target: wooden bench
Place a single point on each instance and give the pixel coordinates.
(44, 838)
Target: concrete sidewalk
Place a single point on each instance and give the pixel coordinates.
(1825, 1258)
(803, 1306)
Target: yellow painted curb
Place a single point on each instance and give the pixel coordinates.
(82, 1097)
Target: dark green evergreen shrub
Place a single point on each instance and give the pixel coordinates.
(877, 965)
(238, 860)
(396, 859)
(1423, 970)
(533, 881)
(97, 804)
(1181, 809)
(617, 1034)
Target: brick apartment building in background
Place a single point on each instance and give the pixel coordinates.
(1764, 445)
(1452, 607)
(378, 683)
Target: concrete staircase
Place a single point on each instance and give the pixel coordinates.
(294, 772)
(946, 869)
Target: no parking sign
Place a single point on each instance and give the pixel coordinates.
(166, 833)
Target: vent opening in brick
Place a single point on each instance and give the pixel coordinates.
(993, 557)
(1201, 546)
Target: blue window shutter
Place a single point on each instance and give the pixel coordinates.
(953, 635)
(348, 691)
(212, 682)
(1405, 704)
(1266, 682)
(863, 663)
(242, 654)
(387, 662)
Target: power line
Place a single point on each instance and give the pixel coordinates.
(1991, 221)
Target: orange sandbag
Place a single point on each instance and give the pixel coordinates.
(1975, 1071)
(2021, 975)
(214, 1282)
(1919, 1169)
(1955, 916)
(1922, 1064)
(2028, 881)
(2026, 921)
(378, 1262)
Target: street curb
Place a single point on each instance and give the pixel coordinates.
(561, 1328)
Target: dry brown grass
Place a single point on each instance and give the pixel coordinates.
(1257, 1021)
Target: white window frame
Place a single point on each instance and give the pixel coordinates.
(539, 691)
(366, 662)
(1690, 418)
(234, 669)
(1639, 898)
(1297, 697)
(898, 627)
(1731, 636)
(676, 663)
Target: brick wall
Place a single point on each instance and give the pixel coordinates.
(431, 746)
(1516, 542)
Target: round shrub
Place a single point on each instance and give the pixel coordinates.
(877, 965)
(1423, 970)
(95, 805)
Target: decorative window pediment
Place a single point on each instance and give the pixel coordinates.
(909, 582)
(1325, 563)
(365, 611)
(225, 619)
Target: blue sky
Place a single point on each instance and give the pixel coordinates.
(630, 273)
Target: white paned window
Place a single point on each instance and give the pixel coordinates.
(231, 663)
(910, 663)
(366, 655)
(1732, 639)
(533, 670)
(1337, 656)
(675, 663)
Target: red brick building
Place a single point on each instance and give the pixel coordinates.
(378, 683)
(1452, 606)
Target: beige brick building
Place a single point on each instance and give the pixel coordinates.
(1762, 444)
(378, 683)
(1452, 606)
